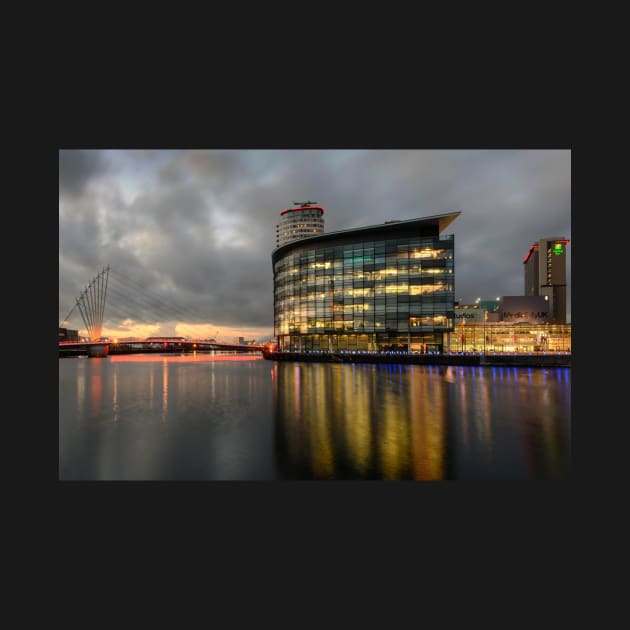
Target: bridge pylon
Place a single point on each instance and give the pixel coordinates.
(91, 304)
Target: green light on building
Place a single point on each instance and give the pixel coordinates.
(557, 248)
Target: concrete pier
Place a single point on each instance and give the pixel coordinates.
(96, 349)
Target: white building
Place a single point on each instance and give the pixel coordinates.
(305, 220)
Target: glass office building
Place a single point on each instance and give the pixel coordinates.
(381, 287)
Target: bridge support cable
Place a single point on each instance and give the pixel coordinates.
(136, 306)
(154, 303)
(141, 316)
(96, 328)
(67, 317)
(89, 308)
(91, 304)
(140, 310)
(126, 306)
(157, 300)
(105, 281)
(84, 309)
(96, 304)
(83, 317)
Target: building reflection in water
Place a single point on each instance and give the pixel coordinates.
(207, 418)
(363, 421)
(427, 414)
(359, 422)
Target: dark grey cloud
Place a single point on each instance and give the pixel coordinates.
(77, 168)
(198, 227)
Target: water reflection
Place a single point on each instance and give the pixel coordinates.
(151, 388)
(420, 422)
(96, 389)
(115, 396)
(205, 417)
(427, 426)
(357, 421)
(164, 389)
(80, 387)
(165, 417)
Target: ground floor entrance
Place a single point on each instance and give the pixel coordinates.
(366, 342)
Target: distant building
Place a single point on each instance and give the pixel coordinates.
(546, 275)
(509, 337)
(516, 323)
(300, 222)
(512, 309)
(66, 334)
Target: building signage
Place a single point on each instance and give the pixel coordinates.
(470, 316)
(528, 316)
(531, 309)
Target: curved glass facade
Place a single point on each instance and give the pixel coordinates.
(378, 288)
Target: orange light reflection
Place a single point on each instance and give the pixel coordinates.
(193, 358)
(96, 391)
(164, 389)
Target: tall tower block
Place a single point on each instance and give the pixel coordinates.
(307, 219)
(546, 274)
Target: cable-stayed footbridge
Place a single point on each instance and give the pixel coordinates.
(130, 305)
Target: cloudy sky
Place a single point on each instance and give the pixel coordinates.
(188, 234)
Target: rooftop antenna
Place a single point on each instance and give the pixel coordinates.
(304, 203)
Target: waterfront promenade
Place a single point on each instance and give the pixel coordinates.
(534, 359)
(562, 359)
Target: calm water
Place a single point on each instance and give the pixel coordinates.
(207, 417)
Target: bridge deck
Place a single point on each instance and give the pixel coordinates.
(72, 348)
